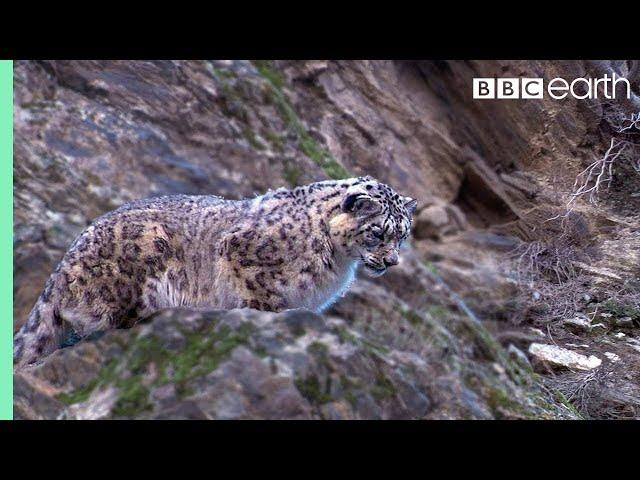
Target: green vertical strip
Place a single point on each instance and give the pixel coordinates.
(6, 239)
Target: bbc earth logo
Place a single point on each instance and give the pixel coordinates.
(557, 88)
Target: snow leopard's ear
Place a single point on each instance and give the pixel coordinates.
(357, 200)
(410, 205)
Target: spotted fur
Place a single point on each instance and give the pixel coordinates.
(286, 249)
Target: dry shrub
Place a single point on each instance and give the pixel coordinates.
(560, 242)
(536, 260)
(581, 388)
(597, 394)
(544, 266)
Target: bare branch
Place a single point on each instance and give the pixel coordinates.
(599, 174)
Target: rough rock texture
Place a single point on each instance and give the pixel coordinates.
(489, 176)
(248, 364)
(554, 356)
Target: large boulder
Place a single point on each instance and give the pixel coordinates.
(246, 364)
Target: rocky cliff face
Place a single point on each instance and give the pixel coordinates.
(245, 364)
(443, 335)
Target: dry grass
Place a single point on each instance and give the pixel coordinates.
(560, 241)
(596, 394)
(544, 269)
(582, 390)
(535, 260)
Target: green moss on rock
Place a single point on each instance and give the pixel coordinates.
(319, 349)
(307, 144)
(203, 353)
(292, 173)
(147, 363)
(133, 397)
(412, 317)
(275, 140)
(309, 387)
(79, 395)
(383, 387)
(620, 309)
(267, 70)
(253, 139)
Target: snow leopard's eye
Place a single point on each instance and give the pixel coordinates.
(374, 237)
(378, 233)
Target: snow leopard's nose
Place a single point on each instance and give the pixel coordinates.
(391, 259)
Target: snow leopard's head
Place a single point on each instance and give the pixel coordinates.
(374, 223)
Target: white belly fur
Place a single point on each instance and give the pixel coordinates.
(335, 288)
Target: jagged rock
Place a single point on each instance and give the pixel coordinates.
(436, 221)
(249, 364)
(624, 322)
(579, 323)
(612, 356)
(634, 343)
(430, 221)
(562, 357)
